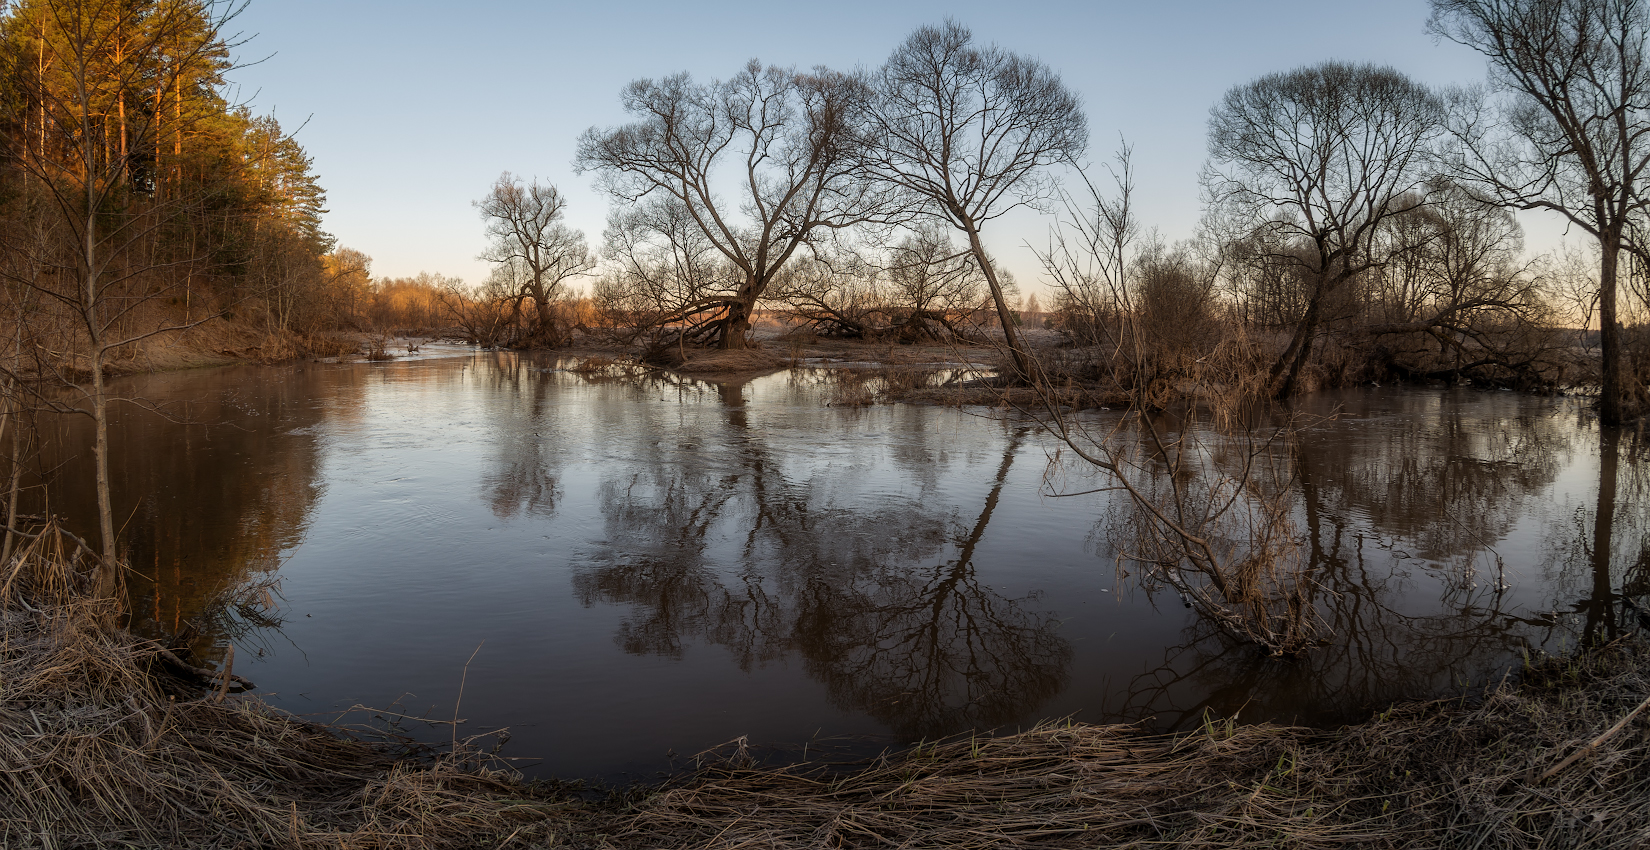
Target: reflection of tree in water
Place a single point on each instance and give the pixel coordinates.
(721, 542)
(1443, 482)
(215, 490)
(519, 478)
(1599, 559)
(1448, 476)
(1381, 649)
(928, 650)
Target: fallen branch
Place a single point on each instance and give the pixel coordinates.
(1593, 744)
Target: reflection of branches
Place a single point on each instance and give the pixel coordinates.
(926, 649)
(1449, 479)
(1206, 513)
(1381, 651)
(520, 479)
(931, 651)
(218, 486)
(1438, 479)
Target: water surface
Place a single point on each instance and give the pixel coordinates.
(640, 566)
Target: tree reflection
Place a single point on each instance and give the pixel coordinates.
(1399, 529)
(519, 478)
(721, 541)
(214, 489)
(1600, 559)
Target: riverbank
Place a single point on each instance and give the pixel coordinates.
(105, 741)
(868, 372)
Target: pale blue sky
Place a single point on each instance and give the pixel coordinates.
(415, 107)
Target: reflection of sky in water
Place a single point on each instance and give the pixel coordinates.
(651, 564)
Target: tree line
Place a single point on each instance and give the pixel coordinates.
(136, 202)
(1359, 225)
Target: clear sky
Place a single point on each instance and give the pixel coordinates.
(415, 107)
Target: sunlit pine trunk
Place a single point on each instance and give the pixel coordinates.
(120, 90)
(40, 81)
(160, 118)
(177, 127)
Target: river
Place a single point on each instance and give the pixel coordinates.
(628, 569)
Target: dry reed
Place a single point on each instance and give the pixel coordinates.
(1441, 774)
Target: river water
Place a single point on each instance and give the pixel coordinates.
(626, 570)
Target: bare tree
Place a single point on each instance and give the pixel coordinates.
(1316, 160)
(924, 288)
(1566, 127)
(482, 316)
(662, 270)
(837, 293)
(967, 133)
(1089, 254)
(932, 282)
(1452, 298)
(535, 252)
(788, 137)
(1207, 507)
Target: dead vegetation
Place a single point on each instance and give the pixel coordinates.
(1444, 774)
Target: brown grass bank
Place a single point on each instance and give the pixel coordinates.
(106, 743)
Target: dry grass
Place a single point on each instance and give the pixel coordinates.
(705, 361)
(1428, 775)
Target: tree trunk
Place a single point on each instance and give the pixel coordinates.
(1024, 367)
(736, 327)
(1611, 390)
(1300, 348)
(546, 333)
(105, 584)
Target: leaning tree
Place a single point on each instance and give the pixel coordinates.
(1313, 163)
(761, 164)
(967, 132)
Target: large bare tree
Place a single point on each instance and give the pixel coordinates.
(534, 251)
(780, 143)
(1314, 162)
(968, 132)
(1565, 127)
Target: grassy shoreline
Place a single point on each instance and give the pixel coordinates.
(104, 742)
